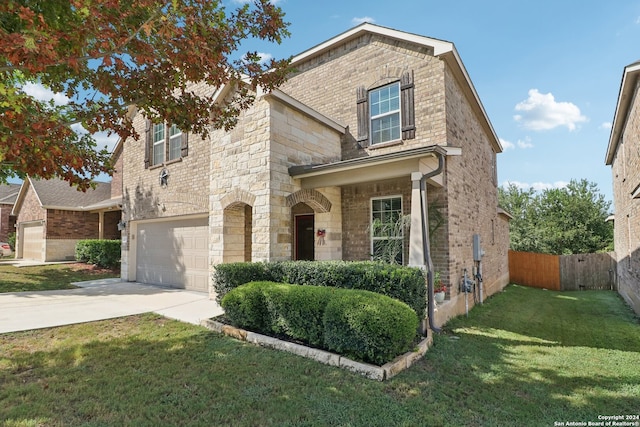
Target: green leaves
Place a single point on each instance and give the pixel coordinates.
(106, 55)
(558, 221)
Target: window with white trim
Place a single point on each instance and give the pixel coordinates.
(164, 143)
(384, 110)
(175, 142)
(387, 230)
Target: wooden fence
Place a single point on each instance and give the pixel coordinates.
(563, 272)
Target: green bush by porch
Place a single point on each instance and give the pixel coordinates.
(360, 324)
(406, 284)
(103, 253)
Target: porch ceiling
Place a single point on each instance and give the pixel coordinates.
(374, 168)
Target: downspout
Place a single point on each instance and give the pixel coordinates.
(425, 239)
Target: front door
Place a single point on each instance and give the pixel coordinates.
(304, 237)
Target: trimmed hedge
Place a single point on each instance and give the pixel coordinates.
(406, 284)
(360, 324)
(104, 253)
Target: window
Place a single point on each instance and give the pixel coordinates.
(387, 229)
(158, 143)
(385, 113)
(175, 142)
(164, 143)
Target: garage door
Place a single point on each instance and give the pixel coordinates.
(174, 253)
(32, 242)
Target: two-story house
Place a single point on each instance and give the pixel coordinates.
(371, 122)
(623, 155)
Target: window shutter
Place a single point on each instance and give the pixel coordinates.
(147, 144)
(362, 99)
(184, 146)
(407, 105)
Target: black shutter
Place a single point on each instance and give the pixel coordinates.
(147, 144)
(407, 105)
(362, 99)
(184, 146)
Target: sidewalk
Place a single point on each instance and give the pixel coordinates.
(99, 300)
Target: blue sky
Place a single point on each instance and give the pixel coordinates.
(548, 72)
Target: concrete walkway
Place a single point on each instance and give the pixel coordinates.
(98, 300)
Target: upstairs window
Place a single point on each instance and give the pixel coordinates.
(164, 143)
(387, 113)
(384, 111)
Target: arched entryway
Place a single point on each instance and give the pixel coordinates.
(237, 232)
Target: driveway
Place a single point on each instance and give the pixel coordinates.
(98, 300)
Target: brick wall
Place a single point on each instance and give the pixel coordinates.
(328, 84)
(62, 224)
(6, 221)
(626, 177)
(472, 200)
(30, 209)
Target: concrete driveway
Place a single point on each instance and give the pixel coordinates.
(98, 300)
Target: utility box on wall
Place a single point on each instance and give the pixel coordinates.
(477, 249)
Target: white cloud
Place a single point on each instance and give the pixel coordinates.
(41, 93)
(542, 112)
(537, 186)
(361, 20)
(526, 143)
(508, 145)
(606, 125)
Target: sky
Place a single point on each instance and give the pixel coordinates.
(548, 72)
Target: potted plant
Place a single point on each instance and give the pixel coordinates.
(439, 289)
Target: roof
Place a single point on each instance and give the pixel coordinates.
(442, 49)
(9, 193)
(58, 194)
(625, 98)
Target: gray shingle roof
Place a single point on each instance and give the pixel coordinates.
(9, 193)
(58, 193)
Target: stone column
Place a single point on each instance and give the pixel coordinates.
(416, 244)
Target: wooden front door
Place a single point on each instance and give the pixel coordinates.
(304, 237)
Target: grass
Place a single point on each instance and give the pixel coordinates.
(526, 357)
(48, 277)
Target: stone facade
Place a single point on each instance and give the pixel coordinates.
(295, 152)
(623, 155)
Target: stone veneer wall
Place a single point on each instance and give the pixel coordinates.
(187, 192)
(6, 221)
(626, 177)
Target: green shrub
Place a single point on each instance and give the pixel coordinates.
(104, 253)
(229, 276)
(361, 324)
(245, 306)
(406, 284)
(369, 326)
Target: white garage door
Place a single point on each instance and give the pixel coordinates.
(174, 253)
(32, 242)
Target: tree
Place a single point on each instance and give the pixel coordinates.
(109, 55)
(559, 221)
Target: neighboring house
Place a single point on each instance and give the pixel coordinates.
(309, 167)
(8, 195)
(623, 155)
(52, 216)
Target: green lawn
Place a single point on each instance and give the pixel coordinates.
(48, 277)
(526, 357)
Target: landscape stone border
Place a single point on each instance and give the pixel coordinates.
(380, 373)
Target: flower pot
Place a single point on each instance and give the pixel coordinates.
(439, 297)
